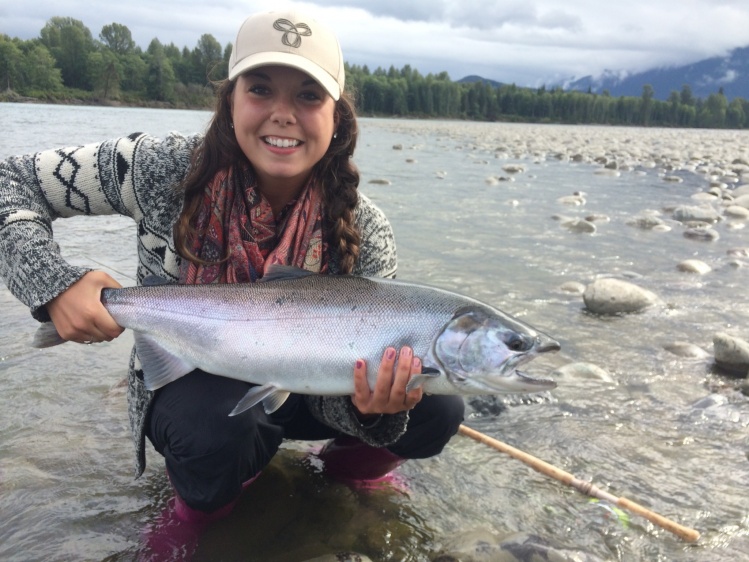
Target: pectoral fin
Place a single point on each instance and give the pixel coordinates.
(418, 380)
(159, 366)
(269, 394)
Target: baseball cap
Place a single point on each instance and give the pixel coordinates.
(289, 39)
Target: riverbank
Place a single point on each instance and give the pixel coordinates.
(89, 99)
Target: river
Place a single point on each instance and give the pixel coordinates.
(661, 429)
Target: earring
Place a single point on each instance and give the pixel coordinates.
(335, 135)
(231, 125)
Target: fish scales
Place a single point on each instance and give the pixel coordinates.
(312, 326)
(299, 332)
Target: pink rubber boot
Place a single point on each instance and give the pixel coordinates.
(175, 534)
(349, 460)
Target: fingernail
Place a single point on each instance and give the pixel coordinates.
(359, 364)
(416, 363)
(390, 354)
(406, 352)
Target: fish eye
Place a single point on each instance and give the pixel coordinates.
(516, 342)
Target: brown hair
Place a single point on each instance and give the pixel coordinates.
(335, 172)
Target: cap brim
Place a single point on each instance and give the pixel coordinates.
(294, 61)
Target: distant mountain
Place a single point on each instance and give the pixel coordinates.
(704, 78)
(473, 78)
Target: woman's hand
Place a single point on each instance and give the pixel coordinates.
(389, 395)
(78, 314)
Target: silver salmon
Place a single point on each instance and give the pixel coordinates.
(295, 331)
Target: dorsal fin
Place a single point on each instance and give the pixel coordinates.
(278, 272)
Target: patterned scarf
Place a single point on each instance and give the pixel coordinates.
(237, 221)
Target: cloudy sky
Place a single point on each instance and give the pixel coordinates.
(527, 42)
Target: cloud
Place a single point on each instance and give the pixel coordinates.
(527, 42)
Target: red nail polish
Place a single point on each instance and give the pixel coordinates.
(359, 363)
(390, 353)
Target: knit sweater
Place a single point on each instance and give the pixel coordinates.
(137, 176)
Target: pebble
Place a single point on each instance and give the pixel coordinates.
(737, 212)
(571, 200)
(694, 266)
(582, 371)
(687, 350)
(572, 287)
(703, 214)
(646, 222)
(703, 233)
(380, 181)
(484, 546)
(579, 225)
(731, 353)
(741, 190)
(598, 218)
(742, 201)
(615, 296)
(513, 168)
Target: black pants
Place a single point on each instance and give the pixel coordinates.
(209, 454)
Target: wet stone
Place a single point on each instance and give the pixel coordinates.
(686, 350)
(615, 296)
(694, 266)
(731, 354)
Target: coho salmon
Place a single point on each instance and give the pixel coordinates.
(296, 331)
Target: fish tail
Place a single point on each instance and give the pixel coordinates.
(47, 336)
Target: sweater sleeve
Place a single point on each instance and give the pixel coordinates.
(377, 258)
(96, 179)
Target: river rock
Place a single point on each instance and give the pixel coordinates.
(704, 233)
(737, 212)
(740, 190)
(615, 296)
(598, 218)
(380, 181)
(673, 179)
(686, 350)
(687, 213)
(514, 168)
(731, 353)
(582, 371)
(579, 225)
(483, 546)
(572, 287)
(694, 266)
(645, 222)
(742, 201)
(571, 200)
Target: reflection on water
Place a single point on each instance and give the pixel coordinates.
(66, 457)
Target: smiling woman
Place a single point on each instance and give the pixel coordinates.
(284, 122)
(270, 183)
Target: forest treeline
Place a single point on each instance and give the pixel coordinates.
(67, 63)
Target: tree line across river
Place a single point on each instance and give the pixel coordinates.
(67, 63)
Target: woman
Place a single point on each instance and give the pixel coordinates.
(270, 182)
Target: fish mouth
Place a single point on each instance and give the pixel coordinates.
(537, 383)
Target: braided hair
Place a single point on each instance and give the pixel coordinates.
(335, 172)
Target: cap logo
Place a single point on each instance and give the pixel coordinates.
(293, 34)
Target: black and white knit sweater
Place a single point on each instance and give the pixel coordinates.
(136, 176)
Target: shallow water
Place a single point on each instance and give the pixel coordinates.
(65, 453)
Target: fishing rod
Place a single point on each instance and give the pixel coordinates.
(587, 488)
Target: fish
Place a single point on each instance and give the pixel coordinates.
(300, 332)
